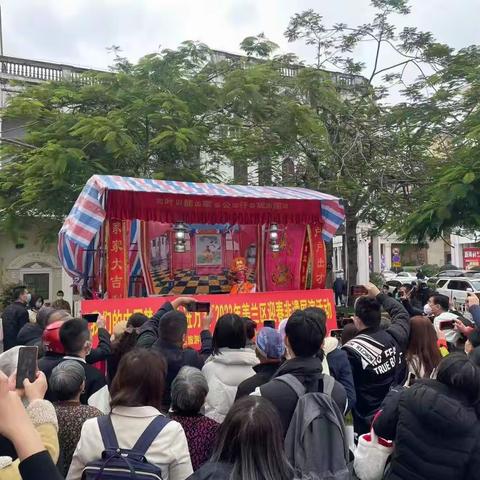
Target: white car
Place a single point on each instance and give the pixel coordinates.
(405, 277)
(388, 275)
(457, 289)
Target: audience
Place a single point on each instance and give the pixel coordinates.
(35, 304)
(376, 354)
(76, 339)
(32, 431)
(166, 333)
(250, 330)
(439, 305)
(125, 339)
(434, 424)
(137, 392)
(473, 341)
(304, 337)
(230, 364)
(67, 382)
(270, 350)
(423, 353)
(189, 390)
(335, 360)
(15, 316)
(249, 445)
(31, 333)
(60, 303)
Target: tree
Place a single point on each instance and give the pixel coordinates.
(373, 162)
(451, 200)
(151, 119)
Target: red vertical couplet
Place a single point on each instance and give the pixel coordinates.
(319, 257)
(305, 265)
(117, 258)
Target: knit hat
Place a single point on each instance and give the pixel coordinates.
(270, 343)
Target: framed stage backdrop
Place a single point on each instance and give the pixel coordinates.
(208, 250)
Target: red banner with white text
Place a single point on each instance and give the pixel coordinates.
(257, 306)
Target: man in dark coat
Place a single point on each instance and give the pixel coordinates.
(304, 337)
(339, 287)
(14, 317)
(376, 355)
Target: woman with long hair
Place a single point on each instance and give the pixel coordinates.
(230, 364)
(423, 354)
(136, 400)
(123, 341)
(249, 445)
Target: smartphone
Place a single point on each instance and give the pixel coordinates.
(358, 290)
(346, 321)
(203, 307)
(269, 323)
(447, 325)
(90, 317)
(26, 365)
(336, 333)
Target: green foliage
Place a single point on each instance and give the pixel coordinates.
(147, 120)
(377, 279)
(6, 294)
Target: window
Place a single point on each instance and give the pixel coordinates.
(458, 285)
(38, 283)
(441, 283)
(476, 286)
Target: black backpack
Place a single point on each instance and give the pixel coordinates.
(123, 464)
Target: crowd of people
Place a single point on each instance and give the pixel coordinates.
(251, 403)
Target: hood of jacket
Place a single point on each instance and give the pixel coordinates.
(235, 356)
(440, 408)
(303, 367)
(30, 333)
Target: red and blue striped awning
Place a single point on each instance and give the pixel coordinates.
(110, 196)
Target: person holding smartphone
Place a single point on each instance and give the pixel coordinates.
(439, 305)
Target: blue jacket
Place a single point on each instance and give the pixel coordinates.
(341, 371)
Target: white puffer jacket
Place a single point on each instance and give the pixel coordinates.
(224, 373)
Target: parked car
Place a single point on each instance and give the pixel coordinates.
(472, 274)
(451, 273)
(405, 277)
(388, 274)
(457, 289)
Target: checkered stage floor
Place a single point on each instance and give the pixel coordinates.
(187, 282)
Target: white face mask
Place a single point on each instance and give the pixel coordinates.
(29, 297)
(427, 309)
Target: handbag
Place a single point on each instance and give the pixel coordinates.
(371, 456)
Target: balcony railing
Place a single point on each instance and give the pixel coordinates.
(13, 68)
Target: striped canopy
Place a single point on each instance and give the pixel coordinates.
(109, 196)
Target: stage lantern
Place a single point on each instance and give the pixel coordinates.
(273, 233)
(180, 233)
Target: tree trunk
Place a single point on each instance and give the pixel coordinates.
(240, 172)
(351, 250)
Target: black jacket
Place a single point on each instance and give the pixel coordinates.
(376, 358)
(436, 433)
(14, 317)
(263, 374)
(307, 370)
(341, 371)
(30, 335)
(176, 357)
(103, 349)
(95, 384)
(212, 471)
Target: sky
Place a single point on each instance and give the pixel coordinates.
(78, 32)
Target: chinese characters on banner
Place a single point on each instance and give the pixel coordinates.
(471, 257)
(117, 259)
(319, 257)
(257, 306)
(305, 265)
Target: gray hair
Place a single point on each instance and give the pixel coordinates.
(188, 391)
(67, 379)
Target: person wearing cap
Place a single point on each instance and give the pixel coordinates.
(67, 382)
(270, 349)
